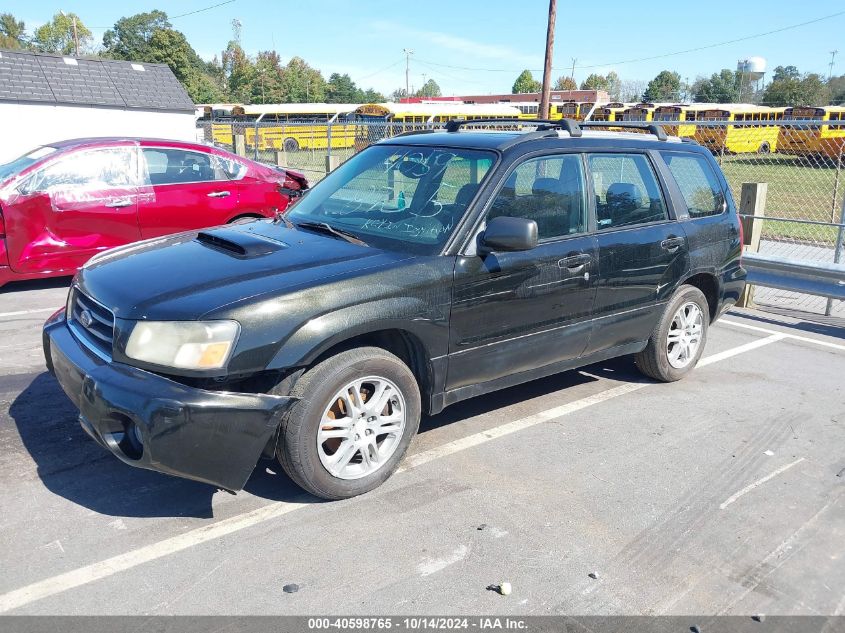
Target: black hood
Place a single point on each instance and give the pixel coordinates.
(184, 276)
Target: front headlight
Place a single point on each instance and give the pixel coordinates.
(183, 344)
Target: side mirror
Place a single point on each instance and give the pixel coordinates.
(509, 234)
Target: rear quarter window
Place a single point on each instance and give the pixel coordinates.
(698, 183)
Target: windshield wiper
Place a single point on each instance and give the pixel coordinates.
(325, 227)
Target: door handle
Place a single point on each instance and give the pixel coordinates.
(117, 204)
(672, 244)
(219, 194)
(575, 263)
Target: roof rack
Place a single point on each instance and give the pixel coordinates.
(573, 127)
(542, 124)
(652, 128)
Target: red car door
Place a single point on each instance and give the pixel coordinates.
(77, 205)
(183, 190)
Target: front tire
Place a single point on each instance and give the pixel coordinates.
(678, 339)
(355, 418)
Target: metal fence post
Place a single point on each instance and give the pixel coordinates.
(255, 142)
(837, 253)
(752, 202)
(332, 163)
(240, 143)
(328, 145)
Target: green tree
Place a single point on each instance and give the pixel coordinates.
(267, 83)
(398, 94)
(526, 83)
(665, 87)
(131, 36)
(721, 87)
(373, 96)
(562, 83)
(836, 86)
(341, 89)
(614, 86)
(171, 47)
(148, 37)
(595, 82)
(12, 32)
(787, 89)
(56, 36)
(782, 73)
(301, 83)
(240, 73)
(429, 89)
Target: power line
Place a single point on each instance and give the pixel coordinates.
(174, 17)
(651, 57)
(381, 70)
(213, 6)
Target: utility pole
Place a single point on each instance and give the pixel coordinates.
(408, 52)
(424, 85)
(75, 36)
(75, 31)
(547, 68)
(830, 67)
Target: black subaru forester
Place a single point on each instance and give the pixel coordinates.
(429, 268)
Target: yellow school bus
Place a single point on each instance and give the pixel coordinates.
(739, 139)
(817, 138)
(297, 126)
(686, 114)
(577, 110)
(216, 118)
(567, 110)
(638, 112)
(380, 120)
(609, 112)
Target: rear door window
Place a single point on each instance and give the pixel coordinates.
(96, 169)
(626, 190)
(168, 166)
(698, 184)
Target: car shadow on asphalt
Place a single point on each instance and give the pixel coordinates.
(70, 464)
(36, 284)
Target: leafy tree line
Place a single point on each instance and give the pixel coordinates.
(788, 86)
(234, 76)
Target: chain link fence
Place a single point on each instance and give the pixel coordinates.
(802, 162)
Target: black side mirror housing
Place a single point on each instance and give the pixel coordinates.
(509, 234)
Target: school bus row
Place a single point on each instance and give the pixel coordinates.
(735, 128)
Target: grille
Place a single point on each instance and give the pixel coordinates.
(92, 322)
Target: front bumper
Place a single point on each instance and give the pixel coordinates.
(151, 422)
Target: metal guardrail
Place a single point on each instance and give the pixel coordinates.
(816, 278)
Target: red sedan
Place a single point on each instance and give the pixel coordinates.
(63, 203)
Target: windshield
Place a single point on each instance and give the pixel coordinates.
(15, 167)
(406, 199)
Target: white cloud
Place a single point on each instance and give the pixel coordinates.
(458, 44)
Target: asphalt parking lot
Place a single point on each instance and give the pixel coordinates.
(721, 494)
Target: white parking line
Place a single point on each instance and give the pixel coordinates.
(22, 312)
(122, 562)
(757, 483)
(796, 337)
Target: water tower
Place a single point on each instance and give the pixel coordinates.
(751, 72)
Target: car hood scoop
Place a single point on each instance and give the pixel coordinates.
(239, 243)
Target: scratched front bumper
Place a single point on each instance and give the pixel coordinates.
(209, 436)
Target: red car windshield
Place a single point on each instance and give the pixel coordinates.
(13, 168)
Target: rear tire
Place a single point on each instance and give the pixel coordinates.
(336, 445)
(678, 339)
(764, 148)
(291, 145)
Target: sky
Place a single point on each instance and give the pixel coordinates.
(471, 47)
